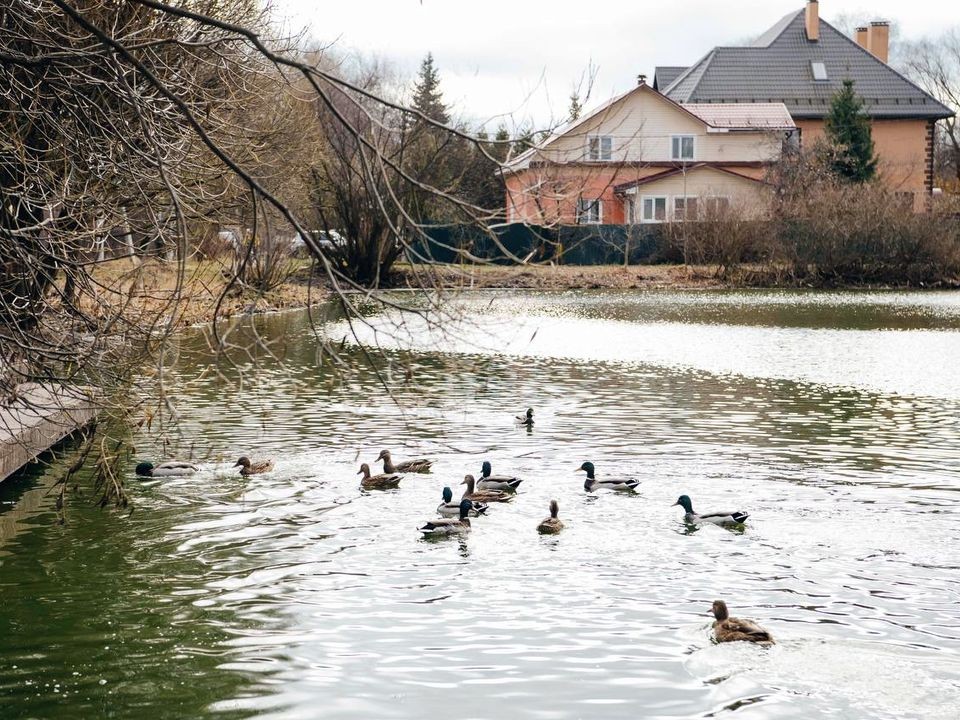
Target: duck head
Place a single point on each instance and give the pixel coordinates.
(486, 469)
(447, 495)
(684, 501)
(365, 471)
(384, 455)
(588, 467)
(465, 507)
(720, 610)
(469, 482)
(244, 461)
(554, 508)
(145, 469)
(529, 413)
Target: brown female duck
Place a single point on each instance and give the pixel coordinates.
(552, 524)
(253, 468)
(730, 629)
(483, 496)
(421, 465)
(377, 482)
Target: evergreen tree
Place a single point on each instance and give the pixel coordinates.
(427, 96)
(576, 107)
(848, 133)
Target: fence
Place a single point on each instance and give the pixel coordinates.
(566, 244)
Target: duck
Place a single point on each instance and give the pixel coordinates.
(526, 419)
(377, 482)
(408, 466)
(253, 468)
(483, 496)
(167, 468)
(552, 524)
(449, 526)
(505, 483)
(729, 629)
(448, 508)
(592, 483)
(717, 518)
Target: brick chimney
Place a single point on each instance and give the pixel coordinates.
(813, 20)
(861, 36)
(878, 40)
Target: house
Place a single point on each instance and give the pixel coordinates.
(802, 62)
(645, 158)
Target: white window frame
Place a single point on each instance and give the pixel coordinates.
(680, 138)
(585, 214)
(686, 199)
(653, 219)
(602, 153)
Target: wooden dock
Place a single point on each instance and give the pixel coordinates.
(37, 419)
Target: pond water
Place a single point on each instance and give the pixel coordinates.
(832, 418)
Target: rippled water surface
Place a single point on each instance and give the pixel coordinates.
(833, 419)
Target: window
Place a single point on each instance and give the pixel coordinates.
(717, 206)
(819, 71)
(685, 208)
(589, 212)
(600, 147)
(653, 209)
(681, 147)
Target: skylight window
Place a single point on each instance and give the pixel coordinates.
(819, 71)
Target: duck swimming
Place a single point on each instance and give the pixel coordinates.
(377, 482)
(407, 466)
(168, 468)
(487, 481)
(552, 524)
(526, 419)
(449, 526)
(728, 629)
(717, 518)
(592, 483)
(448, 508)
(483, 496)
(253, 468)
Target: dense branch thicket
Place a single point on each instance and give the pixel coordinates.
(132, 128)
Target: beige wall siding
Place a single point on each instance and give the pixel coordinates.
(747, 197)
(641, 126)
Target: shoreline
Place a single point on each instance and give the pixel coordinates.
(204, 282)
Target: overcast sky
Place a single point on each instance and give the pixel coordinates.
(521, 58)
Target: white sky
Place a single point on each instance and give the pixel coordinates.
(521, 58)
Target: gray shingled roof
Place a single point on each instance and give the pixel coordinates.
(777, 68)
(664, 75)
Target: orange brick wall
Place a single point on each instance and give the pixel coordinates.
(560, 188)
(901, 146)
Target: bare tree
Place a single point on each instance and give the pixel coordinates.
(935, 65)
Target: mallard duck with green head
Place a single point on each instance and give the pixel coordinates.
(593, 483)
(489, 481)
(731, 629)
(168, 468)
(377, 482)
(483, 496)
(449, 508)
(717, 518)
(552, 524)
(421, 465)
(248, 467)
(449, 526)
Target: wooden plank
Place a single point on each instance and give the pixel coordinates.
(37, 419)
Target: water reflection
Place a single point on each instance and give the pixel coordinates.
(293, 594)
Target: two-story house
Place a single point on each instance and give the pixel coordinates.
(644, 158)
(802, 62)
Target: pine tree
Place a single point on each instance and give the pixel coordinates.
(427, 96)
(576, 107)
(848, 133)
